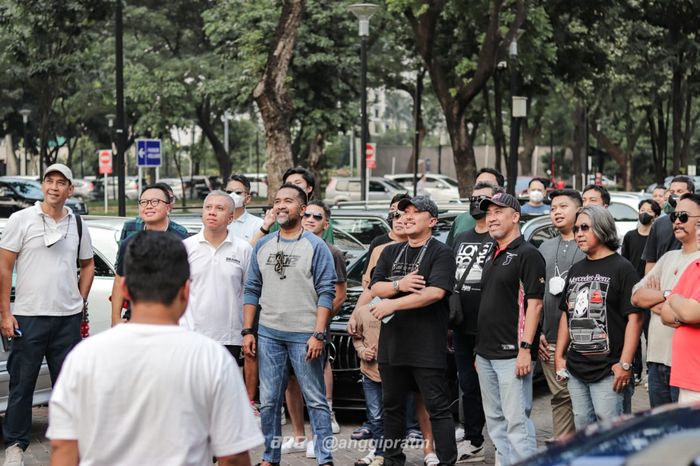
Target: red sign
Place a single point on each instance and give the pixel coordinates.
(105, 161)
(371, 155)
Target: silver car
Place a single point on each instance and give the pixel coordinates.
(345, 189)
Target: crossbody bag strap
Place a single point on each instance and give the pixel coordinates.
(459, 285)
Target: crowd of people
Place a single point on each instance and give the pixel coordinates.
(202, 324)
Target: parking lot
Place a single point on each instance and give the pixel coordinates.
(38, 452)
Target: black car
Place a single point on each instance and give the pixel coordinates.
(18, 193)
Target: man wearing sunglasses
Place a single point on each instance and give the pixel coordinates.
(653, 290)
(42, 243)
(292, 278)
(245, 225)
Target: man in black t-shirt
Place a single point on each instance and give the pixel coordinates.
(414, 279)
(472, 249)
(512, 288)
(599, 328)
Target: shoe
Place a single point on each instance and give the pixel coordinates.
(468, 453)
(310, 453)
(283, 417)
(459, 434)
(292, 446)
(335, 427)
(14, 455)
(361, 433)
(431, 459)
(377, 461)
(637, 379)
(367, 460)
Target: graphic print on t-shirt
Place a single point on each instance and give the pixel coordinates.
(588, 324)
(290, 260)
(466, 253)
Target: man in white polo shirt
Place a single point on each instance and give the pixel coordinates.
(42, 242)
(244, 224)
(218, 263)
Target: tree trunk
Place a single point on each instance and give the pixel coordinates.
(579, 145)
(314, 159)
(205, 122)
(676, 100)
(271, 95)
(462, 154)
(499, 137)
(528, 141)
(417, 98)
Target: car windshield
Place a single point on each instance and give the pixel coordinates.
(450, 181)
(27, 188)
(394, 184)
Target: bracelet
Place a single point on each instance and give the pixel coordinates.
(264, 230)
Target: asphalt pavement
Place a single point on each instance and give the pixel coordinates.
(39, 449)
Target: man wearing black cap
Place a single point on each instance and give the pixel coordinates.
(413, 280)
(512, 288)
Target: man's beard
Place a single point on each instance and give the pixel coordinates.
(291, 222)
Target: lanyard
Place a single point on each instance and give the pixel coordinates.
(404, 252)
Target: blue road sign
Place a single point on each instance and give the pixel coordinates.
(148, 153)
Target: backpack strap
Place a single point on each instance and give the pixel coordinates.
(79, 224)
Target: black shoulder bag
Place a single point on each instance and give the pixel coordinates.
(456, 316)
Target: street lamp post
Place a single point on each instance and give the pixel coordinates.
(516, 113)
(110, 124)
(25, 112)
(227, 117)
(363, 12)
(121, 134)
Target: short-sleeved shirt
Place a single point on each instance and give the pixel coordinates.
(134, 226)
(115, 385)
(529, 209)
(416, 337)
(174, 228)
(558, 254)
(463, 222)
(47, 277)
(513, 275)
(471, 250)
(376, 242)
(597, 302)
(661, 240)
(245, 226)
(341, 267)
(215, 307)
(632, 248)
(685, 372)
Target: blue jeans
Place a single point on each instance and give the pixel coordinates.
(660, 390)
(594, 401)
(375, 411)
(507, 401)
(273, 357)
(51, 337)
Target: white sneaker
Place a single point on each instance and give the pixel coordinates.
(283, 417)
(335, 427)
(292, 446)
(310, 453)
(431, 459)
(468, 453)
(459, 434)
(14, 456)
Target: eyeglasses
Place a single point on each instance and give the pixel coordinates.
(239, 192)
(583, 227)
(280, 264)
(473, 199)
(394, 215)
(318, 217)
(681, 216)
(152, 202)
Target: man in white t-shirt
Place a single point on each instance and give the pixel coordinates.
(43, 244)
(149, 391)
(218, 264)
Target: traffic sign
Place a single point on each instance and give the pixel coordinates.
(148, 153)
(371, 155)
(105, 161)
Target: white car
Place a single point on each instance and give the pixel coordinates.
(440, 188)
(258, 184)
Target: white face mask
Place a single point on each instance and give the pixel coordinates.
(53, 234)
(237, 200)
(536, 196)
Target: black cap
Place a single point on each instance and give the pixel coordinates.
(502, 200)
(422, 203)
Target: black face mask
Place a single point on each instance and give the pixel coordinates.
(645, 218)
(475, 211)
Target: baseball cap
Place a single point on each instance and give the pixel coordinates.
(502, 200)
(422, 203)
(60, 168)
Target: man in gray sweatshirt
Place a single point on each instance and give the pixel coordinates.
(292, 277)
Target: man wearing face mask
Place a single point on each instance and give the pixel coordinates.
(661, 238)
(535, 206)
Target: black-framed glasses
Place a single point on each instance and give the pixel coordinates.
(152, 202)
(318, 217)
(583, 227)
(681, 216)
(280, 264)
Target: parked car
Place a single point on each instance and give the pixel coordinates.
(667, 184)
(83, 189)
(18, 193)
(344, 189)
(258, 184)
(440, 188)
(104, 240)
(131, 188)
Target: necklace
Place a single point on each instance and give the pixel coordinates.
(281, 258)
(404, 252)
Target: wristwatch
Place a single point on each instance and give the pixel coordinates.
(321, 336)
(625, 366)
(247, 331)
(525, 345)
(667, 293)
(395, 285)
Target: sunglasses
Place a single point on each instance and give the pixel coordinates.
(239, 192)
(681, 216)
(583, 227)
(477, 198)
(394, 215)
(318, 217)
